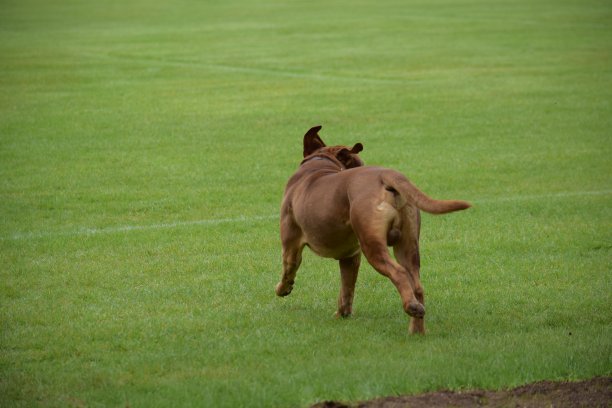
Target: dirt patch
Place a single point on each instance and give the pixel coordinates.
(596, 392)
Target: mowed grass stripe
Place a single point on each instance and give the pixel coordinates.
(149, 61)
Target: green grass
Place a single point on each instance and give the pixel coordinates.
(134, 135)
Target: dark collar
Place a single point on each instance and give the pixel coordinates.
(323, 157)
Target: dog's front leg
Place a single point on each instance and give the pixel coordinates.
(292, 256)
(349, 268)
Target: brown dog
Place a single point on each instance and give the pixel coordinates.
(339, 208)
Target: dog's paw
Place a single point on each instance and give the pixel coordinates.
(342, 314)
(415, 309)
(282, 290)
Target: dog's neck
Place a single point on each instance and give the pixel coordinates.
(325, 157)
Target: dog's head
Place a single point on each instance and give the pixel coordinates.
(348, 156)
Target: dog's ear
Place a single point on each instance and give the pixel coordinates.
(349, 158)
(357, 148)
(344, 155)
(312, 141)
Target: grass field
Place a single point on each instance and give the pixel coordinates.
(144, 147)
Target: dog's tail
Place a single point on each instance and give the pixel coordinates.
(396, 181)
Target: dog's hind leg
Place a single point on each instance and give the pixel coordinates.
(371, 228)
(349, 268)
(291, 238)
(406, 251)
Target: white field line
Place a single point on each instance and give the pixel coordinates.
(561, 194)
(130, 228)
(256, 218)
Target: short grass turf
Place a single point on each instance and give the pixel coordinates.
(144, 147)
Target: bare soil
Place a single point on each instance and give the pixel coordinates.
(596, 392)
